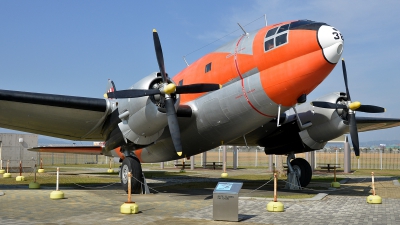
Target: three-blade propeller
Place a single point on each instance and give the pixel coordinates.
(166, 90)
(350, 107)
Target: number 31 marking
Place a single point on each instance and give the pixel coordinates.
(337, 36)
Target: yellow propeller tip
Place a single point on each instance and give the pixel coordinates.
(179, 153)
(220, 86)
(342, 59)
(154, 31)
(105, 95)
(358, 157)
(384, 110)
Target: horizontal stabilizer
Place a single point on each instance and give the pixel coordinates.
(88, 150)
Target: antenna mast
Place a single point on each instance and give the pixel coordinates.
(265, 18)
(245, 33)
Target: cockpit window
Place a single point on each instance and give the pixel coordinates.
(306, 25)
(271, 32)
(300, 23)
(283, 28)
(281, 39)
(276, 37)
(269, 44)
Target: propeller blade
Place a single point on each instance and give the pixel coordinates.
(328, 105)
(159, 54)
(371, 109)
(197, 88)
(169, 102)
(173, 125)
(132, 93)
(345, 80)
(354, 134)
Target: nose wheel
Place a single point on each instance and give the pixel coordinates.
(131, 164)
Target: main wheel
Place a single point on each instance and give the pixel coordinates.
(303, 170)
(131, 164)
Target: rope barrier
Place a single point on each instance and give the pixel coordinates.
(147, 185)
(328, 190)
(29, 171)
(79, 185)
(259, 187)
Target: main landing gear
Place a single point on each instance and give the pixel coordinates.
(299, 172)
(132, 164)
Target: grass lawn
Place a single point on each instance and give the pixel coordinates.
(367, 172)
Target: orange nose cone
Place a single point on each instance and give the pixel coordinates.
(303, 74)
(301, 65)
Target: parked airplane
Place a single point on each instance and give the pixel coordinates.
(263, 74)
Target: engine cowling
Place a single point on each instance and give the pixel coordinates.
(141, 121)
(326, 124)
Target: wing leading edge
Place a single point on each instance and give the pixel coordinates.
(68, 117)
(376, 123)
(87, 150)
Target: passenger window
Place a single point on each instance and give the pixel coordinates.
(281, 39)
(271, 32)
(208, 67)
(283, 28)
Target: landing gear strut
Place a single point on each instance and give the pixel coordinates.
(299, 172)
(132, 164)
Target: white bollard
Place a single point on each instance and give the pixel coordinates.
(57, 194)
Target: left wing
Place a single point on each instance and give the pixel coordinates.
(87, 150)
(68, 117)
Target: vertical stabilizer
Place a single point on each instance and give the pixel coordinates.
(110, 87)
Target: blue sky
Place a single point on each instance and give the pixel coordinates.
(73, 47)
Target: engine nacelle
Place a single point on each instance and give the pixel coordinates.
(327, 124)
(142, 122)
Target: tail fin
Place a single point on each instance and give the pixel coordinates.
(110, 87)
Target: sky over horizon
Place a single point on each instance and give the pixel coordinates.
(73, 47)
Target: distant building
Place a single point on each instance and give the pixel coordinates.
(13, 147)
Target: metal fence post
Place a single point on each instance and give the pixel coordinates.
(347, 156)
(312, 160)
(256, 157)
(235, 152)
(192, 162)
(270, 163)
(224, 158)
(204, 159)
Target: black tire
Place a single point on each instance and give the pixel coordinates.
(131, 164)
(303, 169)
